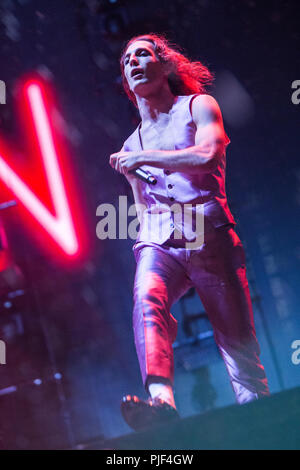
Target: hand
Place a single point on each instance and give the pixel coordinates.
(123, 162)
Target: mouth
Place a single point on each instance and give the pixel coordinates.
(137, 72)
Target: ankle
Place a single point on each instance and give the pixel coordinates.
(163, 391)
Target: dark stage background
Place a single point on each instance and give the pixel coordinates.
(68, 334)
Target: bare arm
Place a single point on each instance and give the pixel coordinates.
(210, 141)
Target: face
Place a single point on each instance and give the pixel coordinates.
(142, 68)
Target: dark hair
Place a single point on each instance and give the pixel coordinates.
(185, 77)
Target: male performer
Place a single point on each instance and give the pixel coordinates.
(181, 142)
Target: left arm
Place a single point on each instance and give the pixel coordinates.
(201, 157)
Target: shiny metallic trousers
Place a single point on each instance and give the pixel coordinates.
(217, 270)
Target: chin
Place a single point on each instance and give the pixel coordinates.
(143, 89)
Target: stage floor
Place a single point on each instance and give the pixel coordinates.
(271, 423)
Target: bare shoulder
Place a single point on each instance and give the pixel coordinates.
(205, 109)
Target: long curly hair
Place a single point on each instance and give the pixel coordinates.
(185, 77)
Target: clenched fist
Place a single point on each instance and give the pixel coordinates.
(123, 162)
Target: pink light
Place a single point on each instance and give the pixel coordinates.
(60, 227)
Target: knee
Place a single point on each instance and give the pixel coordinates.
(150, 292)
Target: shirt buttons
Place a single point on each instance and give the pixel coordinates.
(170, 186)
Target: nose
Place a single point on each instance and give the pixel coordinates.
(133, 60)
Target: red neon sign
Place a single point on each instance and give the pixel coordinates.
(60, 225)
